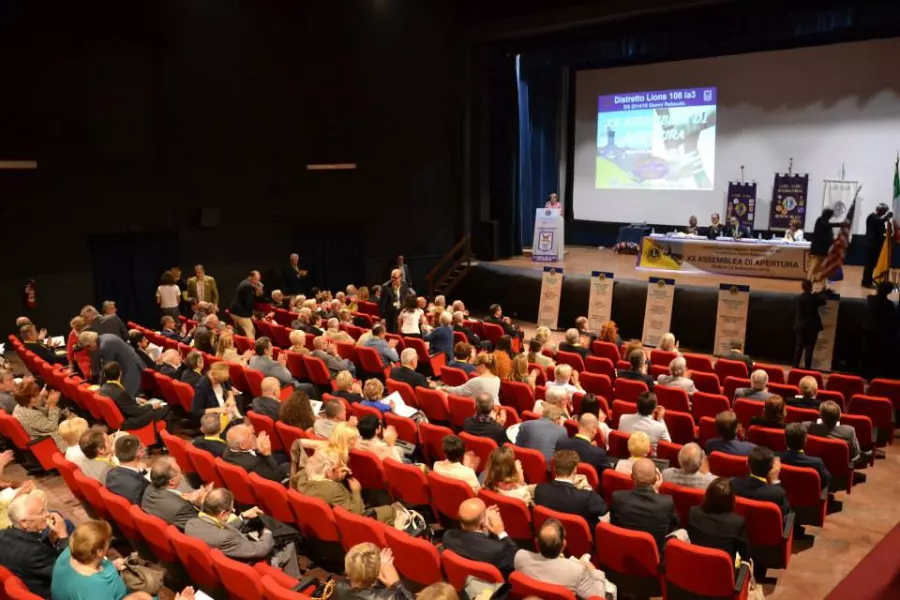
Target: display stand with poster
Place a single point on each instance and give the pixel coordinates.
(600, 300)
(549, 236)
(658, 310)
(731, 317)
(551, 292)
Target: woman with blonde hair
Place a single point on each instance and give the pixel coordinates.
(70, 431)
(346, 388)
(520, 372)
(371, 575)
(667, 343)
(363, 294)
(372, 392)
(226, 351)
(638, 448)
(542, 335)
(486, 382)
(503, 474)
(344, 438)
(298, 342)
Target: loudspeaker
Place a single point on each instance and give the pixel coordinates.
(487, 240)
(210, 218)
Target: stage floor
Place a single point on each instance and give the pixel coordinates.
(582, 260)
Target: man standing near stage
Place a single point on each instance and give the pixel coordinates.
(823, 237)
(874, 240)
(393, 293)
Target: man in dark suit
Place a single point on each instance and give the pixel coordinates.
(795, 435)
(762, 483)
(484, 423)
(254, 455)
(136, 415)
(293, 278)
(25, 550)
(206, 336)
(828, 426)
(406, 370)
(583, 443)
(879, 333)
(268, 404)
(807, 324)
(728, 442)
(637, 370)
(644, 508)
(29, 336)
(109, 323)
(874, 241)
(823, 238)
(496, 317)
(581, 324)
(482, 536)
(735, 230)
(715, 228)
(393, 293)
(193, 368)
(129, 478)
(572, 344)
(211, 440)
(168, 329)
(561, 494)
(105, 348)
(471, 338)
(162, 498)
(242, 305)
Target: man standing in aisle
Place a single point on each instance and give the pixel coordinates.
(242, 305)
(203, 287)
(874, 241)
(392, 296)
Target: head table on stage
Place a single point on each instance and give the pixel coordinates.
(748, 257)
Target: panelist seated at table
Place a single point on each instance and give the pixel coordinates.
(736, 230)
(692, 229)
(715, 228)
(793, 232)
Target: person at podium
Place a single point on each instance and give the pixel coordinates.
(735, 230)
(553, 201)
(715, 227)
(691, 229)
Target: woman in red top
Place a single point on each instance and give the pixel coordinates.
(78, 359)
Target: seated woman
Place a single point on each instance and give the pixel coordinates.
(609, 332)
(809, 388)
(297, 411)
(503, 474)
(370, 576)
(714, 523)
(542, 335)
(214, 394)
(486, 382)
(373, 391)
(194, 371)
(638, 447)
(534, 355)
(226, 351)
(773, 415)
(298, 342)
(667, 343)
(346, 388)
(38, 412)
(503, 357)
(519, 371)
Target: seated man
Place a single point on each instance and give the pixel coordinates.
(254, 454)
(406, 371)
(458, 464)
(324, 478)
(471, 339)
(573, 344)
(543, 434)
(128, 479)
(30, 336)
(482, 536)
(326, 350)
(644, 508)
(211, 440)
(385, 348)
(762, 483)
(206, 336)
(163, 497)
(829, 425)
(488, 420)
(335, 334)
(97, 449)
(561, 494)
(25, 550)
(758, 390)
(334, 412)
(220, 528)
(694, 469)
(565, 378)
(262, 361)
(581, 324)
(583, 443)
(809, 387)
(462, 355)
(167, 329)
(496, 317)
(171, 364)
(727, 425)
(548, 565)
(380, 441)
(138, 412)
(795, 436)
(637, 370)
(649, 418)
(676, 378)
(268, 404)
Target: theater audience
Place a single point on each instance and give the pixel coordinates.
(372, 393)
(141, 345)
(482, 536)
(520, 374)
(38, 411)
(385, 348)
(168, 295)
(487, 381)
(649, 418)
(562, 495)
(7, 391)
(542, 335)
(488, 421)
(667, 343)
(137, 412)
(227, 352)
(98, 454)
(829, 425)
(548, 565)
(380, 441)
(543, 434)
(758, 390)
(462, 355)
(458, 463)
(334, 333)
(268, 404)
(127, 479)
(24, 549)
(167, 330)
(644, 508)
(371, 575)
(773, 415)
(762, 484)
(241, 309)
(79, 360)
(406, 370)
(262, 361)
(736, 352)
(496, 317)
(298, 342)
(584, 445)
(581, 324)
(693, 469)
(170, 364)
(638, 448)
(637, 369)
(325, 476)
(809, 388)
(440, 339)
(326, 350)
(458, 325)
(211, 439)
(253, 453)
(206, 334)
(795, 436)
(105, 323)
(163, 497)
(728, 427)
(676, 377)
(30, 337)
(503, 474)
(714, 524)
(346, 388)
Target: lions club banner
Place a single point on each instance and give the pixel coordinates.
(741, 203)
(551, 292)
(788, 200)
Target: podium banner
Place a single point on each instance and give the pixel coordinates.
(741, 203)
(658, 310)
(731, 316)
(548, 244)
(551, 291)
(788, 201)
(600, 299)
(823, 353)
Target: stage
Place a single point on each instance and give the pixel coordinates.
(515, 283)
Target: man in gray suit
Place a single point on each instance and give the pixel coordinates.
(759, 379)
(262, 361)
(220, 528)
(163, 498)
(108, 347)
(326, 350)
(106, 323)
(544, 433)
(828, 426)
(579, 575)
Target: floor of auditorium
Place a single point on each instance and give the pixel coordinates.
(817, 565)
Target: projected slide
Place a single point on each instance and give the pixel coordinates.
(663, 140)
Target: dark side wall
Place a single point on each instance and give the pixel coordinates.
(143, 113)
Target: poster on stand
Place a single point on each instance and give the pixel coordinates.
(731, 316)
(551, 291)
(600, 300)
(658, 310)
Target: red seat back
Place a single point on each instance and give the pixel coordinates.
(662, 357)
(698, 363)
(296, 366)
(534, 466)
(706, 382)
(244, 583)
(680, 426)
(416, 559)
(90, 489)
(800, 415)
(573, 359)
(195, 556)
(728, 465)
(457, 569)
(517, 395)
(786, 391)
(153, 530)
(237, 480)
(618, 444)
(747, 409)
(514, 512)
(605, 350)
(406, 483)
(629, 389)
(314, 517)
(626, 552)
(481, 446)
(461, 408)
(683, 561)
(684, 497)
(668, 451)
(524, 586)
(578, 534)
(673, 398)
(432, 440)
(766, 436)
(708, 405)
(254, 381)
(885, 388)
(765, 528)
(836, 456)
(834, 396)
(597, 365)
(356, 529)
(706, 430)
(775, 372)
(406, 392)
(432, 403)
(795, 375)
(272, 498)
(67, 470)
(120, 510)
(731, 384)
(407, 430)
(204, 465)
(448, 493)
(804, 491)
(185, 394)
(848, 385)
(273, 590)
(262, 422)
(619, 408)
(367, 469)
(453, 376)
(731, 368)
(614, 481)
(877, 408)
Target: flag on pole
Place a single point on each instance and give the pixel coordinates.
(883, 266)
(838, 251)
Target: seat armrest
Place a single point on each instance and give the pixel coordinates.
(788, 525)
(740, 580)
(824, 495)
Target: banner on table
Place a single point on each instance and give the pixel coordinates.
(749, 258)
(741, 203)
(789, 201)
(548, 236)
(658, 310)
(731, 316)
(823, 353)
(600, 299)
(551, 291)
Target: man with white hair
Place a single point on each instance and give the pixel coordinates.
(278, 300)
(565, 378)
(759, 380)
(694, 469)
(440, 340)
(406, 370)
(326, 350)
(573, 344)
(334, 412)
(306, 322)
(105, 323)
(293, 278)
(676, 378)
(108, 347)
(23, 548)
(268, 403)
(298, 341)
(557, 396)
(335, 334)
(458, 318)
(393, 293)
(253, 453)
